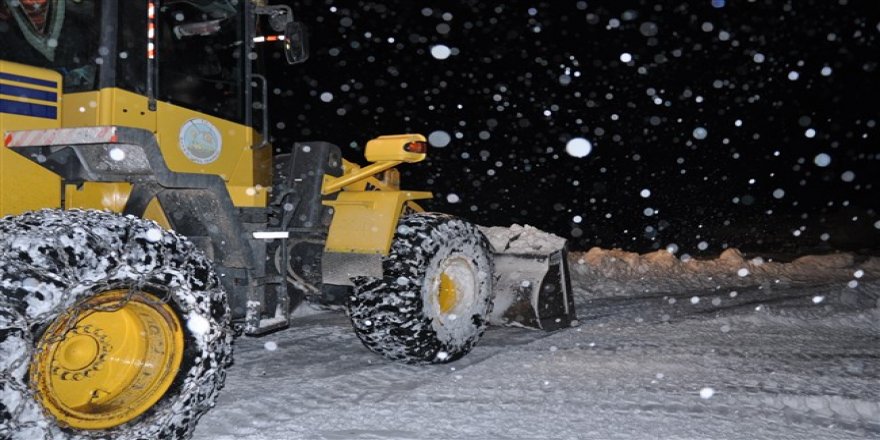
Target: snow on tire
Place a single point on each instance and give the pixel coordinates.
(55, 269)
(432, 302)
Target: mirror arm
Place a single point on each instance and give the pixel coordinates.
(265, 109)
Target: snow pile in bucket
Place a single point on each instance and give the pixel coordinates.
(614, 272)
(526, 240)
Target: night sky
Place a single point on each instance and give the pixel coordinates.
(751, 124)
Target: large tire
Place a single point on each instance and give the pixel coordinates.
(432, 302)
(64, 275)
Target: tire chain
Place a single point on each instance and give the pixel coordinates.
(13, 424)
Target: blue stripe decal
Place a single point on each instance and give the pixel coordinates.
(28, 109)
(28, 80)
(24, 92)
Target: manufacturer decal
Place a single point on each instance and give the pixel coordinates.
(200, 141)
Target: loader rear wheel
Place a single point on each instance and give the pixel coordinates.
(432, 303)
(110, 326)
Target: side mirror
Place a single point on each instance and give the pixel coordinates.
(296, 43)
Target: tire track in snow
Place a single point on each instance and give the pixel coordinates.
(788, 373)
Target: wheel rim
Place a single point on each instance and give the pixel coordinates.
(456, 287)
(97, 369)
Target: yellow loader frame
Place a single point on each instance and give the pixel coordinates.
(64, 156)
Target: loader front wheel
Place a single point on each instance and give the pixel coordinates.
(432, 302)
(110, 326)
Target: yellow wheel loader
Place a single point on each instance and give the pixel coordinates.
(147, 220)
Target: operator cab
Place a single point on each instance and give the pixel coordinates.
(198, 54)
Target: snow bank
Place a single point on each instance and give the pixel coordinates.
(614, 272)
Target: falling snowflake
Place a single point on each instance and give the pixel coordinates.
(198, 324)
(578, 147)
(154, 235)
(441, 52)
(707, 393)
(439, 138)
(117, 154)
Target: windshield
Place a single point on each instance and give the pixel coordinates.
(55, 34)
(200, 56)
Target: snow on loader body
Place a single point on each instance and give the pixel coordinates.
(112, 325)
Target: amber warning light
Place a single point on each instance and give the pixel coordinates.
(416, 147)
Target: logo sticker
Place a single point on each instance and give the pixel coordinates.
(200, 141)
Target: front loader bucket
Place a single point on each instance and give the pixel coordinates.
(532, 286)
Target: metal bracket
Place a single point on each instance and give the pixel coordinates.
(255, 324)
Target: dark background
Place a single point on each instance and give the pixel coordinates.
(526, 77)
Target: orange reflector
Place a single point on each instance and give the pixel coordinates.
(151, 30)
(416, 147)
(267, 38)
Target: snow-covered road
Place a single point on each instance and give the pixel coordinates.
(660, 352)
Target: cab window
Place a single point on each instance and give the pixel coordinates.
(200, 53)
(55, 34)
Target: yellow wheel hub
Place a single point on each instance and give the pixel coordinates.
(447, 295)
(77, 352)
(108, 361)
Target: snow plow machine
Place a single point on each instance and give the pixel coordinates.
(147, 220)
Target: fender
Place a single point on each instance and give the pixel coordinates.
(366, 209)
